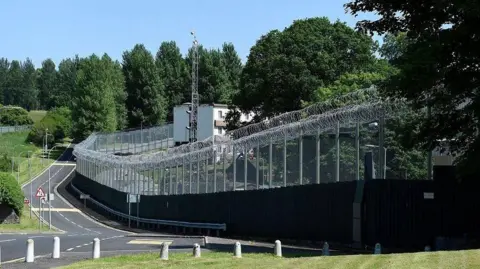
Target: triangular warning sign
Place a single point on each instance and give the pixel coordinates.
(40, 193)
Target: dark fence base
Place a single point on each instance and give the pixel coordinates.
(396, 213)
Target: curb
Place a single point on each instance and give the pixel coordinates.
(85, 215)
(166, 236)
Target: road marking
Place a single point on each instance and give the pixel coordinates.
(70, 249)
(8, 240)
(64, 164)
(148, 242)
(54, 209)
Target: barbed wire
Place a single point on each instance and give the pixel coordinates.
(314, 124)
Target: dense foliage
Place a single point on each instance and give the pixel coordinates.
(57, 122)
(14, 116)
(438, 59)
(10, 192)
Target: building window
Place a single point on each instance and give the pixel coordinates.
(220, 114)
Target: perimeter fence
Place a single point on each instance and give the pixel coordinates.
(325, 142)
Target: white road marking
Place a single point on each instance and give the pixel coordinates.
(8, 240)
(70, 249)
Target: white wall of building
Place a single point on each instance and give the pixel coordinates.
(208, 115)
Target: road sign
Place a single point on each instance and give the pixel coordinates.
(133, 198)
(26, 201)
(40, 193)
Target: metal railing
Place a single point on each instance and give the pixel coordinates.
(198, 225)
(13, 129)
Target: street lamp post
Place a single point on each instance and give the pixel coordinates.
(49, 191)
(29, 173)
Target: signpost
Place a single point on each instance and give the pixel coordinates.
(132, 198)
(84, 197)
(40, 195)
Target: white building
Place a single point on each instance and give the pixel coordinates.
(211, 121)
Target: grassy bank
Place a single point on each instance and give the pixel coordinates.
(27, 224)
(37, 115)
(441, 259)
(14, 146)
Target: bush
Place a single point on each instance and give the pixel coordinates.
(6, 164)
(10, 193)
(58, 121)
(11, 116)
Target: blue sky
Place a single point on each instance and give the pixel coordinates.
(59, 29)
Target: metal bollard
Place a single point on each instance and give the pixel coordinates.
(96, 248)
(30, 257)
(378, 249)
(326, 249)
(196, 250)
(56, 248)
(238, 250)
(278, 248)
(164, 251)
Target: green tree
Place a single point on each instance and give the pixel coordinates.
(213, 82)
(286, 68)
(93, 107)
(47, 84)
(58, 121)
(174, 74)
(10, 193)
(66, 76)
(118, 87)
(4, 66)
(437, 69)
(145, 102)
(233, 65)
(13, 89)
(29, 90)
(12, 116)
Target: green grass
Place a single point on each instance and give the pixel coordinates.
(14, 145)
(37, 115)
(26, 224)
(441, 259)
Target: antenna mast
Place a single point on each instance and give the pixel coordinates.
(195, 101)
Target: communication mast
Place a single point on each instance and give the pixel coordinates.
(195, 102)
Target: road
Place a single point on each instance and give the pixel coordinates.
(78, 229)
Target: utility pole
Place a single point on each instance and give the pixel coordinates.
(195, 100)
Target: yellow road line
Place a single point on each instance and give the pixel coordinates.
(58, 209)
(147, 242)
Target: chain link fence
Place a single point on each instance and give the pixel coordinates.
(14, 129)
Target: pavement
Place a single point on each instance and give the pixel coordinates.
(77, 230)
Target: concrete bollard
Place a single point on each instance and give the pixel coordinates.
(326, 249)
(427, 249)
(378, 249)
(237, 252)
(56, 248)
(96, 248)
(164, 251)
(30, 257)
(196, 251)
(278, 248)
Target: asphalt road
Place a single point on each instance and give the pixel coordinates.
(78, 230)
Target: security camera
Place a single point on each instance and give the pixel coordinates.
(373, 125)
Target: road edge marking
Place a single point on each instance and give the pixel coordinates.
(79, 210)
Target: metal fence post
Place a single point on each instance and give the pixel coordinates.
(300, 158)
(317, 156)
(245, 169)
(234, 168)
(337, 157)
(357, 151)
(270, 168)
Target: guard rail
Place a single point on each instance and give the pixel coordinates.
(198, 225)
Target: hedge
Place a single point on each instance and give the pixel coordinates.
(11, 193)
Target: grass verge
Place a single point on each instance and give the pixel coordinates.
(37, 115)
(440, 259)
(27, 224)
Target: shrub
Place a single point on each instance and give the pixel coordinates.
(58, 121)
(6, 164)
(11, 116)
(11, 193)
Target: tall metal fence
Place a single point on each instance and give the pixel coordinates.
(13, 129)
(132, 142)
(325, 142)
